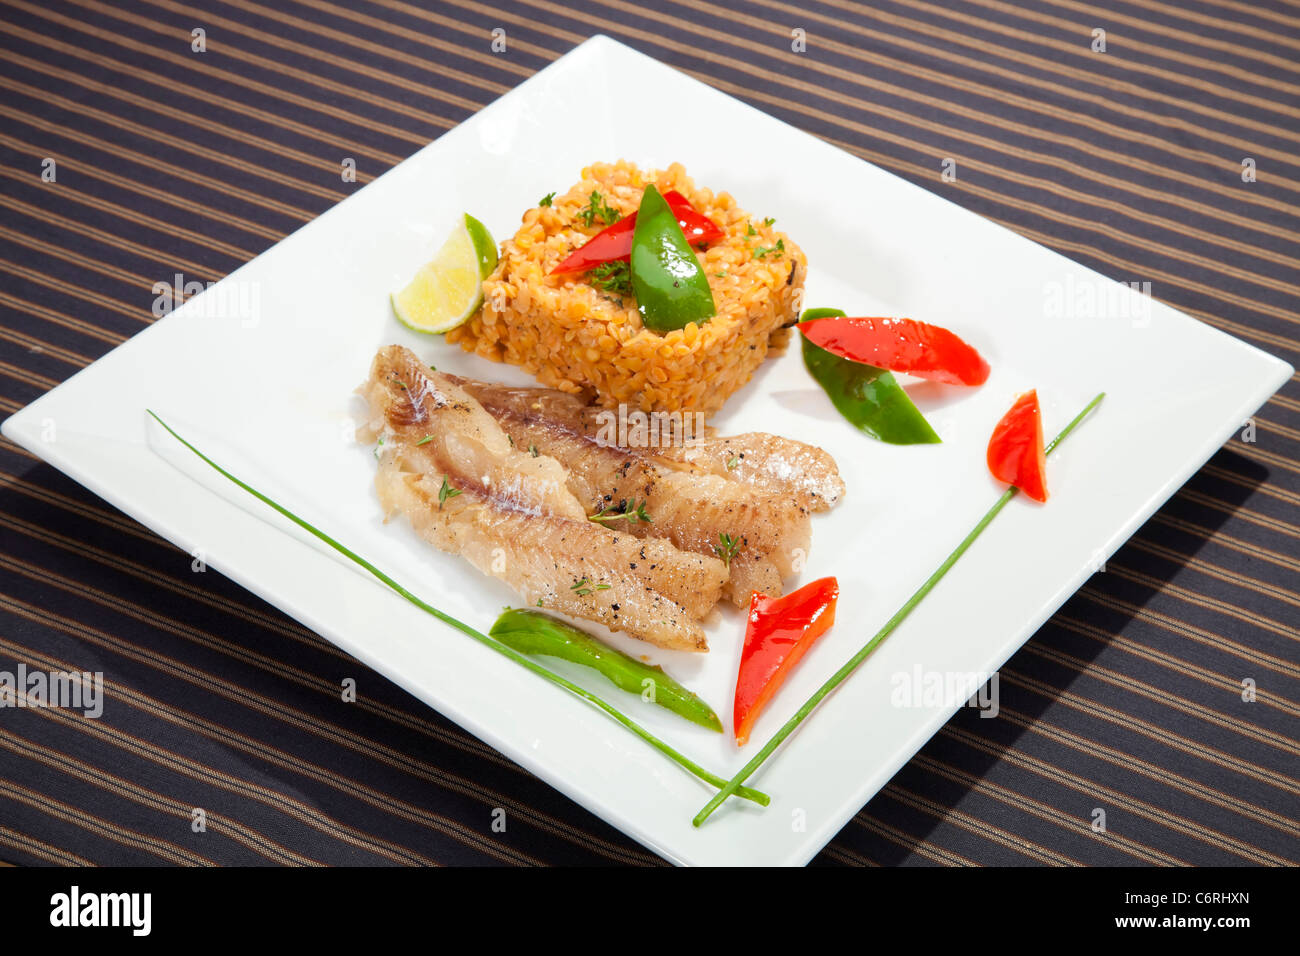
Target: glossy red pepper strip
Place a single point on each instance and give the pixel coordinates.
(1016, 454)
(615, 242)
(900, 345)
(779, 632)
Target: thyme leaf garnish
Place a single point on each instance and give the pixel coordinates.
(728, 549)
(582, 587)
(445, 492)
(597, 208)
(632, 511)
(613, 276)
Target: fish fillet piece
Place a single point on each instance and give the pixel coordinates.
(447, 432)
(691, 508)
(766, 462)
(782, 466)
(449, 468)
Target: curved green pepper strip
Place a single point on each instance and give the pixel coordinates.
(533, 633)
(670, 287)
(869, 397)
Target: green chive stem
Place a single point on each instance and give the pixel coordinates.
(851, 665)
(685, 762)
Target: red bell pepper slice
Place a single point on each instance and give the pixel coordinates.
(900, 345)
(1016, 454)
(615, 242)
(779, 632)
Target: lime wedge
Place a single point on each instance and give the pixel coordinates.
(485, 247)
(448, 290)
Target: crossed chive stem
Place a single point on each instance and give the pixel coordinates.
(864, 652)
(690, 766)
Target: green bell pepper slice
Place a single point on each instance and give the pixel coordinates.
(869, 397)
(670, 287)
(533, 633)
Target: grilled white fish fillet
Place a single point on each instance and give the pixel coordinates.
(804, 473)
(689, 505)
(449, 468)
(770, 463)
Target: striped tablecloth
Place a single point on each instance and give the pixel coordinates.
(1154, 141)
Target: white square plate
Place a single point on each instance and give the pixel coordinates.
(259, 372)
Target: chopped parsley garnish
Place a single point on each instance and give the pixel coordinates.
(729, 547)
(379, 446)
(546, 200)
(768, 221)
(445, 492)
(425, 440)
(632, 511)
(776, 251)
(614, 276)
(532, 450)
(750, 230)
(597, 208)
(732, 463)
(721, 275)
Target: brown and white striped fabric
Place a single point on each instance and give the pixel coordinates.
(1171, 157)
